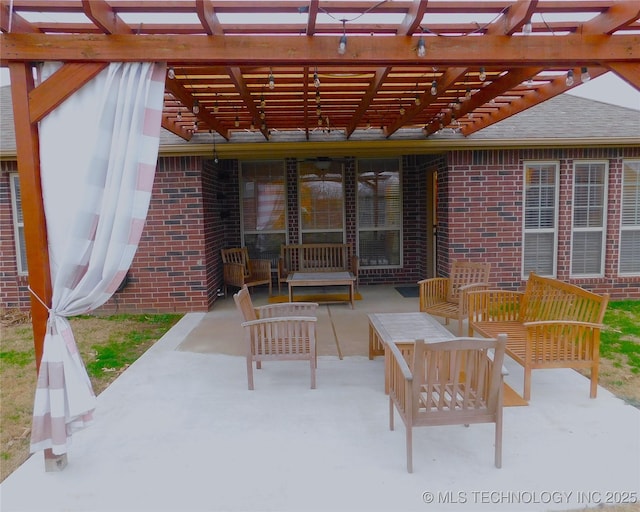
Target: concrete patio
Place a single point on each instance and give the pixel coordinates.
(179, 431)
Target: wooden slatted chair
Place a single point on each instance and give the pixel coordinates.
(447, 296)
(278, 332)
(455, 382)
(240, 270)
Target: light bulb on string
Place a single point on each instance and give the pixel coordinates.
(342, 46)
(569, 80)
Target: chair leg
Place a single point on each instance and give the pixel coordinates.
(250, 372)
(313, 372)
(498, 455)
(526, 392)
(594, 380)
(390, 413)
(409, 449)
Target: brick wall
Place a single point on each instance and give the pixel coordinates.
(195, 211)
(170, 272)
(14, 293)
(484, 215)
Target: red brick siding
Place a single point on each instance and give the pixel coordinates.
(484, 213)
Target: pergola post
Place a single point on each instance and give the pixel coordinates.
(35, 230)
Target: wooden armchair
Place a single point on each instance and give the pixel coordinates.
(455, 382)
(240, 270)
(447, 296)
(278, 332)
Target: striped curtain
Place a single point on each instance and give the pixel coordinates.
(98, 153)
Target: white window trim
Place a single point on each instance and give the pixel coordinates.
(13, 179)
(302, 231)
(384, 228)
(556, 164)
(622, 227)
(602, 229)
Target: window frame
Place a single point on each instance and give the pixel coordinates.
(623, 227)
(398, 229)
(602, 229)
(18, 235)
(556, 204)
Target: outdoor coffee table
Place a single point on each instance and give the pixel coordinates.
(299, 279)
(403, 329)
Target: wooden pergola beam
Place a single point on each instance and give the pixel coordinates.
(59, 86)
(208, 17)
(629, 72)
(553, 88)
(321, 50)
(104, 17)
(35, 225)
(236, 77)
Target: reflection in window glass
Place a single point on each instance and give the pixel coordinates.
(263, 195)
(379, 212)
(321, 187)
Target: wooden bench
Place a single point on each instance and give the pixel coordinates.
(315, 258)
(552, 324)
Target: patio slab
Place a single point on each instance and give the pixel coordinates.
(179, 431)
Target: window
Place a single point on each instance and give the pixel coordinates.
(379, 213)
(18, 224)
(540, 218)
(263, 198)
(630, 219)
(589, 218)
(321, 202)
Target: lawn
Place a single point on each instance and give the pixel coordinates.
(108, 345)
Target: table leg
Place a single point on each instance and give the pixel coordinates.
(351, 297)
(290, 292)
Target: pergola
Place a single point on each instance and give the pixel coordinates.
(249, 71)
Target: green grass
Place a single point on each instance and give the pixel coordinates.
(123, 349)
(622, 335)
(16, 357)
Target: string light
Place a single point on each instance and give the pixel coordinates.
(483, 74)
(272, 80)
(584, 74)
(569, 80)
(527, 28)
(342, 46)
(422, 47)
(171, 74)
(316, 79)
(196, 107)
(434, 88)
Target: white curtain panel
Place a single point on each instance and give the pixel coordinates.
(98, 153)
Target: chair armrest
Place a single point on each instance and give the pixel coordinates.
(233, 274)
(494, 305)
(260, 269)
(287, 309)
(562, 340)
(432, 291)
(280, 319)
